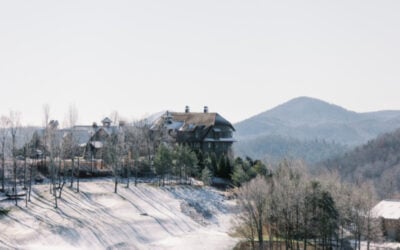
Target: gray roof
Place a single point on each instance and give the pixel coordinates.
(106, 120)
(190, 121)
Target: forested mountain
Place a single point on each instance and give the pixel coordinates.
(309, 128)
(274, 148)
(378, 161)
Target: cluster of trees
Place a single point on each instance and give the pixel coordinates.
(9, 129)
(180, 162)
(247, 169)
(291, 208)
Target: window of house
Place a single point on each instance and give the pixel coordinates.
(217, 133)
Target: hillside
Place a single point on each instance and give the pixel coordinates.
(377, 161)
(142, 217)
(305, 120)
(274, 148)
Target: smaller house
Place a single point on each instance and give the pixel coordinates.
(99, 135)
(89, 138)
(389, 212)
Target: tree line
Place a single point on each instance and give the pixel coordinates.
(292, 209)
(377, 161)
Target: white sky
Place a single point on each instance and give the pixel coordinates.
(237, 57)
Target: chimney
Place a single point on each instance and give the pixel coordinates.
(187, 109)
(205, 109)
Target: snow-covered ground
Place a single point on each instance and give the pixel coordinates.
(142, 217)
(383, 245)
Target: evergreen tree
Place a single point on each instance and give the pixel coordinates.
(206, 176)
(163, 162)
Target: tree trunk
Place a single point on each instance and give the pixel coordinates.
(136, 173)
(2, 171)
(55, 196)
(78, 176)
(305, 233)
(91, 163)
(26, 199)
(128, 173)
(297, 226)
(260, 233)
(72, 171)
(315, 243)
(30, 183)
(25, 173)
(15, 181)
(115, 184)
(61, 189)
(355, 243)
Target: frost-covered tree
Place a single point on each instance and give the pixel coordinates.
(70, 142)
(253, 202)
(4, 132)
(15, 118)
(365, 226)
(110, 156)
(53, 148)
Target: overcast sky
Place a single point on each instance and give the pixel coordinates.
(238, 57)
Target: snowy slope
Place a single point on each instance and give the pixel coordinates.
(142, 217)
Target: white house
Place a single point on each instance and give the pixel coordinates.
(389, 211)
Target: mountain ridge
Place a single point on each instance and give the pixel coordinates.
(311, 118)
(306, 119)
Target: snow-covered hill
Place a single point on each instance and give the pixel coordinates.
(142, 217)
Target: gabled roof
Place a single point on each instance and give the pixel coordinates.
(106, 120)
(190, 121)
(82, 134)
(387, 209)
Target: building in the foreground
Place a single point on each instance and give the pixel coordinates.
(389, 212)
(204, 132)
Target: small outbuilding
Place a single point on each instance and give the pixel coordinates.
(389, 212)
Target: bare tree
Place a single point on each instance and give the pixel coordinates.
(72, 143)
(114, 116)
(14, 128)
(290, 211)
(26, 135)
(46, 121)
(113, 153)
(4, 131)
(253, 202)
(134, 141)
(364, 223)
(54, 152)
(150, 140)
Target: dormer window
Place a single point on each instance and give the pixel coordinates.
(106, 122)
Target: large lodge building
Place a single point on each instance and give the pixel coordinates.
(202, 131)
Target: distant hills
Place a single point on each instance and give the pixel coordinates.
(377, 161)
(310, 129)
